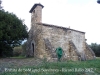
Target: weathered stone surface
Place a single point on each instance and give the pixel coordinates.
(44, 39)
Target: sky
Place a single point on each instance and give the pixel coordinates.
(82, 15)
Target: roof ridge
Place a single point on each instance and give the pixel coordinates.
(58, 27)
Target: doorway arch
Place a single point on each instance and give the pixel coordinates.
(33, 48)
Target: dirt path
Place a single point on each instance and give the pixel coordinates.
(19, 62)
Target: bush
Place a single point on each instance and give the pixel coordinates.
(17, 51)
(5, 50)
(96, 48)
(20, 50)
(24, 48)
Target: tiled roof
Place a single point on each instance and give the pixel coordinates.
(34, 6)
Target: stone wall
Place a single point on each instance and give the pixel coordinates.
(47, 38)
(59, 37)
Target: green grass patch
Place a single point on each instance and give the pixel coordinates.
(19, 57)
(90, 67)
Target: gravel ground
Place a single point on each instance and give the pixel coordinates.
(16, 62)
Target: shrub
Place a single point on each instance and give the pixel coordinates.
(17, 51)
(24, 48)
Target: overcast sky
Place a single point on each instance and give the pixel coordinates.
(82, 15)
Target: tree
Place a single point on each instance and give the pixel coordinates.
(12, 32)
(96, 48)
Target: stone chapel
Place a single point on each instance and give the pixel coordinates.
(45, 38)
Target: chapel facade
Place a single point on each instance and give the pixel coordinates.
(45, 38)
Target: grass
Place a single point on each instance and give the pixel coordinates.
(90, 67)
(19, 57)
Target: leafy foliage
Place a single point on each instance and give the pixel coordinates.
(12, 31)
(17, 51)
(24, 48)
(96, 48)
(20, 50)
